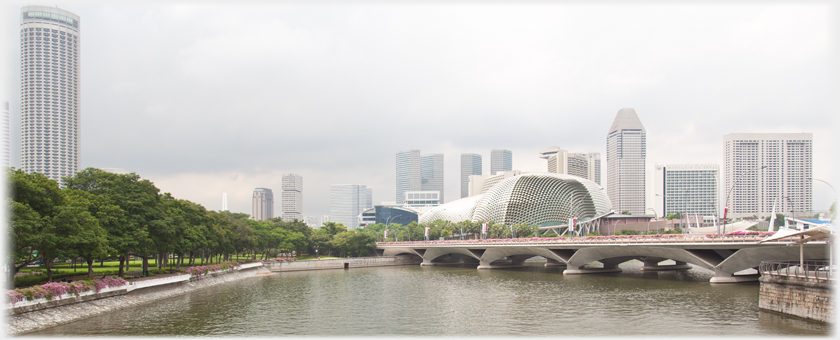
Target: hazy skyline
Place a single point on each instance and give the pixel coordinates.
(203, 99)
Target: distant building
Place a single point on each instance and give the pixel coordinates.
(384, 214)
(262, 204)
(585, 165)
(470, 165)
(117, 171)
(50, 133)
(479, 184)
(766, 169)
(626, 153)
(431, 173)
(4, 130)
(347, 201)
(408, 173)
(422, 199)
(292, 197)
(500, 160)
(687, 189)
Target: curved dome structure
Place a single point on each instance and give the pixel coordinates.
(537, 198)
(455, 211)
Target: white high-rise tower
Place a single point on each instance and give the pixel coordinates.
(49, 84)
(292, 198)
(626, 152)
(767, 169)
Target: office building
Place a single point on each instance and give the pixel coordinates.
(626, 152)
(347, 201)
(4, 130)
(470, 165)
(586, 165)
(292, 197)
(422, 199)
(500, 160)
(49, 84)
(766, 169)
(408, 173)
(686, 189)
(431, 173)
(388, 215)
(262, 204)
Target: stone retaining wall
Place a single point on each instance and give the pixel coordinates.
(31, 321)
(352, 262)
(804, 298)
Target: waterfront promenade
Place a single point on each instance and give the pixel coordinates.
(726, 255)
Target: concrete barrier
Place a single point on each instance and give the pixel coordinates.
(350, 262)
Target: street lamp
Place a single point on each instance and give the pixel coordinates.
(388, 226)
(727, 199)
(654, 215)
(835, 196)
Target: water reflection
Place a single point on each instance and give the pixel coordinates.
(457, 300)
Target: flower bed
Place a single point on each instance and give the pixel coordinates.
(204, 270)
(575, 239)
(52, 290)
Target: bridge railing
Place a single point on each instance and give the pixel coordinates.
(614, 239)
(818, 270)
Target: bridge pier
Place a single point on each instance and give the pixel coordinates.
(577, 270)
(654, 266)
(724, 277)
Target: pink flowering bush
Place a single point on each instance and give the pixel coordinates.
(51, 290)
(204, 270)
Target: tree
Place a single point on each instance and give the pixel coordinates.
(142, 224)
(89, 240)
(36, 203)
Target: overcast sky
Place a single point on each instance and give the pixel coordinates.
(203, 99)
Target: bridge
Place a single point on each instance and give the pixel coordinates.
(725, 255)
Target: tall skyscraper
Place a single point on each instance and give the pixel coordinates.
(408, 173)
(262, 204)
(500, 160)
(431, 173)
(347, 201)
(584, 165)
(224, 202)
(626, 152)
(49, 84)
(470, 165)
(687, 189)
(292, 198)
(763, 169)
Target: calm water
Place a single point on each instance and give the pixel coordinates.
(449, 301)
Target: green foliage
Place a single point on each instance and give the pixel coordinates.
(629, 232)
(673, 216)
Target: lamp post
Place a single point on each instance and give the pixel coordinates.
(388, 225)
(727, 200)
(654, 215)
(834, 216)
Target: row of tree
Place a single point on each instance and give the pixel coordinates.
(100, 215)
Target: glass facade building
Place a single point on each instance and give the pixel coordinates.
(49, 84)
(500, 160)
(431, 173)
(408, 173)
(470, 165)
(689, 189)
(347, 202)
(262, 204)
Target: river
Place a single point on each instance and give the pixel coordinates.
(452, 301)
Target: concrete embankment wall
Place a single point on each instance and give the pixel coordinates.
(21, 321)
(808, 299)
(353, 262)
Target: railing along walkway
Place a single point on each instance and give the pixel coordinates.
(644, 239)
(811, 269)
